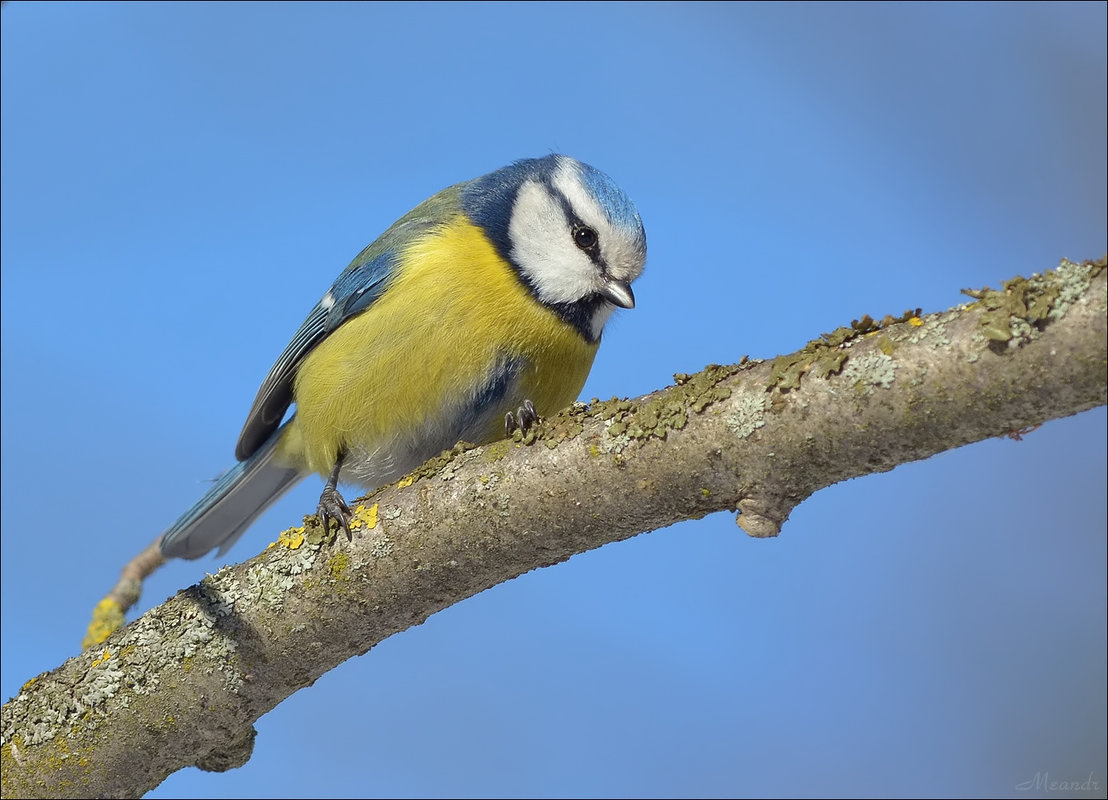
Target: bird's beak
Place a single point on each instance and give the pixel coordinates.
(618, 293)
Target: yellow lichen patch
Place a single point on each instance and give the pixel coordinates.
(434, 466)
(103, 657)
(365, 517)
(664, 411)
(292, 538)
(316, 533)
(406, 481)
(825, 356)
(564, 427)
(338, 564)
(497, 450)
(1017, 313)
(786, 371)
(106, 618)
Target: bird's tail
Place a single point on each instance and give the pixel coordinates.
(235, 500)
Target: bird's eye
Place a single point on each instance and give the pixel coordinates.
(584, 237)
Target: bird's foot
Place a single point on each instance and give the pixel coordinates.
(333, 507)
(522, 420)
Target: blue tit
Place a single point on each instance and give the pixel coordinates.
(485, 301)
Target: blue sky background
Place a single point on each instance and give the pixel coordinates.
(181, 182)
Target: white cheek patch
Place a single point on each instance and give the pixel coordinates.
(542, 246)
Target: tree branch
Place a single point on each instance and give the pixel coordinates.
(183, 684)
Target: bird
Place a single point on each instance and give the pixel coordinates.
(475, 312)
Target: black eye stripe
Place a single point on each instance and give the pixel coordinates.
(577, 226)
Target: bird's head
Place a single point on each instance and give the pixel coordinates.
(573, 236)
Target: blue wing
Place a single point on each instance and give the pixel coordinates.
(354, 291)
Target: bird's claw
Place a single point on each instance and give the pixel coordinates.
(523, 419)
(333, 507)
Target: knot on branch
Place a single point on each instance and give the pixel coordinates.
(234, 754)
(761, 517)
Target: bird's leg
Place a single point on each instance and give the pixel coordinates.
(331, 504)
(524, 418)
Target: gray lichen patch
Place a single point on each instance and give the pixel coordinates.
(616, 440)
(748, 414)
(194, 631)
(1072, 281)
(268, 586)
(382, 546)
(871, 369)
(933, 329)
(128, 666)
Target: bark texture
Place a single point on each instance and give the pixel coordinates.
(183, 684)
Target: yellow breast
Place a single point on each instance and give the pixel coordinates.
(397, 376)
